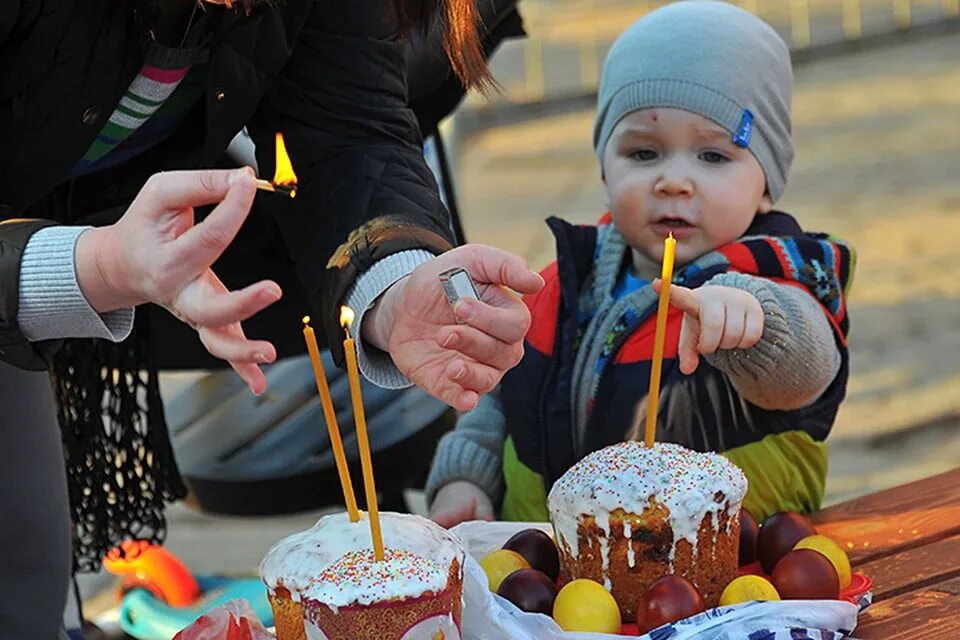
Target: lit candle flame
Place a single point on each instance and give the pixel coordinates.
(346, 317)
(284, 174)
(306, 319)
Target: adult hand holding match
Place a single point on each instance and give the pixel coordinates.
(456, 362)
(156, 253)
(715, 317)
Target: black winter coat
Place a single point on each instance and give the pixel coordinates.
(329, 74)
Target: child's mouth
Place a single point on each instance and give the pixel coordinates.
(679, 228)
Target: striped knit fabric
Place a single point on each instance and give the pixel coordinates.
(146, 94)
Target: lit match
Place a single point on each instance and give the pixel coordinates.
(284, 179)
(266, 185)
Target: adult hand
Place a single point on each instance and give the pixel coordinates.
(458, 502)
(156, 253)
(456, 362)
(715, 317)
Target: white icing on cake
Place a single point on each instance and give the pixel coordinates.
(629, 476)
(333, 561)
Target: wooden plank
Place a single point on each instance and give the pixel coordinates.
(900, 518)
(914, 569)
(932, 614)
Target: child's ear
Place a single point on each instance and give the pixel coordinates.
(766, 204)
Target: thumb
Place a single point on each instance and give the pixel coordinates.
(202, 244)
(495, 266)
(173, 191)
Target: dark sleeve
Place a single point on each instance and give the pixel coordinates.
(15, 349)
(365, 191)
(9, 10)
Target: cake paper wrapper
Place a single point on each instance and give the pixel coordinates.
(487, 616)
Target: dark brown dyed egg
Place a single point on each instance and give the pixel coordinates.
(806, 574)
(669, 599)
(749, 530)
(778, 535)
(539, 550)
(531, 590)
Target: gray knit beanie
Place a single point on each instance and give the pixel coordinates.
(710, 58)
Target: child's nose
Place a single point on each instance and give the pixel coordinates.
(673, 184)
(675, 179)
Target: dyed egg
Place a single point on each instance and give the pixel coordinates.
(499, 564)
(833, 553)
(778, 535)
(749, 530)
(539, 550)
(668, 599)
(531, 590)
(806, 574)
(584, 605)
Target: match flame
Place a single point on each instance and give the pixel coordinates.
(346, 317)
(284, 174)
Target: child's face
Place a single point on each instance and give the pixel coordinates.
(669, 170)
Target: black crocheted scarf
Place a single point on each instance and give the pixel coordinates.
(120, 465)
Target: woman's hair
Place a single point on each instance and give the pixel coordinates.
(459, 21)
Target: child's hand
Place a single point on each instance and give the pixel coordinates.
(715, 317)
(157, 253)
(458, 502)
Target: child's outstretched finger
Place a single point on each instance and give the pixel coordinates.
(687, 349)
(681, 297)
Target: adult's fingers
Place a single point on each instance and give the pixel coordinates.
(225, 308)
(173, 191)
(508, 323)
(445, 389)
(252, 375)
(479, 346)
(681, 297)
(490, 265)
(229, 343)
(203, 243)
(473, 376)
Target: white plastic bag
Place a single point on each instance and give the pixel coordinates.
(233, 620)
(487, 616)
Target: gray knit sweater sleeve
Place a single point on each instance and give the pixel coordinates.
(51, 304)
(796, 359)
(473, 451)
(377, 366)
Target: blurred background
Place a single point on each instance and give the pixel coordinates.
(875, 110)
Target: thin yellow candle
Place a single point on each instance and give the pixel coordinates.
(653, 398)
(330, 416)
(363, 442)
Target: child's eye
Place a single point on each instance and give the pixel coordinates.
(644, 155)
(714, 157)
